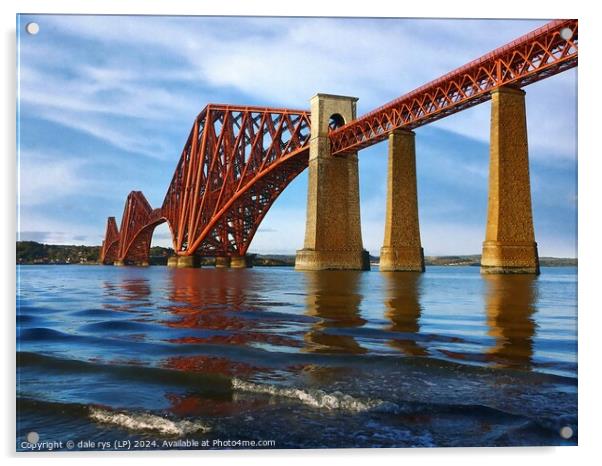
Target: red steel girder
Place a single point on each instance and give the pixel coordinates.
(215, 200)
(110, 245)
(530, 58)
(137, 225)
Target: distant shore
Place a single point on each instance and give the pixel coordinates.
(34, 253)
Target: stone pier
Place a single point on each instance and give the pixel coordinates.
(509, 245)
(333, 237)
(402, 250)
(120, 263)
(172, 261)
(184, 262)
(241, 262)
(189, 262)
(222, 262)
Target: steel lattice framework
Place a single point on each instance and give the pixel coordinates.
(137, 225)
(530, 58)
(237, 160)
(110, 245)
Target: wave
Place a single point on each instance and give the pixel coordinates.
(37, 334)
(131, 420)
(96, 312)
(317, 398)
(117, 325)
(345, 402)
(205, 383)
(146, 421)
(36, 406)
(25, 319)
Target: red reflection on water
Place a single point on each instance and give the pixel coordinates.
(240, 339)
(216, 288)
(210, 299)
(190, 405)
(135, 291)
(212, 365)
(214, 301)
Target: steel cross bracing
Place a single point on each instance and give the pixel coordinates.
(237, 160)
(235, 163)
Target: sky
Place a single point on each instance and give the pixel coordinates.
(106, 104)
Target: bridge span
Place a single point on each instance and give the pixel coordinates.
(238, 159)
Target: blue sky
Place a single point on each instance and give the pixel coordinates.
(106, 104)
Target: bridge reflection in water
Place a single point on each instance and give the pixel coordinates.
(334, 297)
(510, 305)
(403, 309)
(127, 295)
(236, 307)
(276, 325)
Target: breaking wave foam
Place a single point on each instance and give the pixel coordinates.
(145, 421)
(317, 398)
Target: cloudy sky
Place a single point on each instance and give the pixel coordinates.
(106, 104)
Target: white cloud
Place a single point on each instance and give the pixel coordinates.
(115, 106)
(148, 144)
(99, 90)
(283, 62)
(49, 230)
(45, 178)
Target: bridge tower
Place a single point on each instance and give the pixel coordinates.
(333, 236)
(509, 245)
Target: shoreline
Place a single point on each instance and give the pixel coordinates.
(373, 265)
(34, 253)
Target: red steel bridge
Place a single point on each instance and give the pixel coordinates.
(238, 159)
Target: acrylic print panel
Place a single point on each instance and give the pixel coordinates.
(223, 245)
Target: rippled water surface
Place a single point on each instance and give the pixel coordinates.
(306, 360)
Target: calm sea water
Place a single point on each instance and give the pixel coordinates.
(160, 358)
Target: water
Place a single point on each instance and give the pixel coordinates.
(163, 357)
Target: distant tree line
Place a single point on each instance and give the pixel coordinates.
(32, 252)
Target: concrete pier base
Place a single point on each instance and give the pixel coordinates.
(188, 262)
(308, 259)
(401, 259)
(119, 263)
(241, 262)
(172, 261)
(509, 245)
(222, 262)
(333, 237)
(500, 257)
(402, 249)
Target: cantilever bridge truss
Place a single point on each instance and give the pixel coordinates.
(237, 160)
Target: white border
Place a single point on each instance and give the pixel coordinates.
(589, 215)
